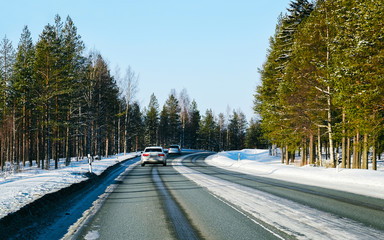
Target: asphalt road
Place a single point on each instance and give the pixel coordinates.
(157, 202)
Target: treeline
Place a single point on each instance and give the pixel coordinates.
(323, 83)
(180, 122)
(58, 102)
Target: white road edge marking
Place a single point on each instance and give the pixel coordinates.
(178, 162)
(75, 229)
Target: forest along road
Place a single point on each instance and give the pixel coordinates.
(189, 199)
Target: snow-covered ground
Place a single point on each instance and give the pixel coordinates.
(259, 162)
(31, 183)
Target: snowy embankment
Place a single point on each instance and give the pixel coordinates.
(260, 163)
(31, 183)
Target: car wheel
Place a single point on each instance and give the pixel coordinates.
(143, 164)
(165, 164)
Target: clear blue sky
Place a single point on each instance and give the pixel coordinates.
(212, 48)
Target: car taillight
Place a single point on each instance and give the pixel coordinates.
(146, 154)
(161, 155)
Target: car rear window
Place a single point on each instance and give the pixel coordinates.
(174, 146)
(153, 150)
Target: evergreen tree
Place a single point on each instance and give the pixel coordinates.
(20, 89)
(136, 127)
(207, 137)
(152, 122)
(7, 56)
(254, 137)
(237, 129)
(173, 109)
(194, 125)
(164, 126)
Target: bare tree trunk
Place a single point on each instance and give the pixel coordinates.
(374, 162)
(358, 156)
(304, 154)
(320, 161)
(348, 153)
(47, 141)
(354, 164)
(106, 147)
(118, 132)
(286, 155)
(23, 153)
(1, 151)
(343, 156)
(311, 149)
(68, 142)
(365, 152)
(282, 153)
(37, 148)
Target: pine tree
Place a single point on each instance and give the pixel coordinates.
(237, 129)
(207, 129)
(7, 57)
(152, 122)
(271, 97)
(194, 125)
(20, 89)
(173, 109)
(164, 126)
(71, 73)
(136, 127)
(254, 137)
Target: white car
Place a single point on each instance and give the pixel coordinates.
(153, 155)
(174, 149)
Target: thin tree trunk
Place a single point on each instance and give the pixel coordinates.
(358, 155)
(24, 130)
(348, 153)
(14, 142)
(304, 154)
(343, 156)
(126, 129)
(282, 154)
(311, 149)
(286, 155)
(354, 164)
(67, 142)
(319, 157)
(47, 140)
(106, 147)
(365, 152)
(1, 151)
(118, 132)
(374, 162)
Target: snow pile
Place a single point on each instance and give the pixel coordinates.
(260, 163)
(31, 183)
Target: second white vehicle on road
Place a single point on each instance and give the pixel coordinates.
(153, 155)
(176, 149)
